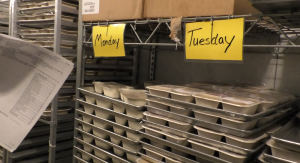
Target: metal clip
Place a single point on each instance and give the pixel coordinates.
(158, 20)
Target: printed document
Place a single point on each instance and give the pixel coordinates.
(30, 77)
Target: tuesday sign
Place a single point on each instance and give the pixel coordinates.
(220, 40)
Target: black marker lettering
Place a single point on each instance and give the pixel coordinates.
(207, 40)
(221, 40)
(109, 42)
(98, 37)
(200, 42)
(214, 39)
(196, 42)
(229, 44)
(118, 43)
(193, 34)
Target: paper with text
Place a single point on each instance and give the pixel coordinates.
(30, 76)
(218, 40)
(108, 41)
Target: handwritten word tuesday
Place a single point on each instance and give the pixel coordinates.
(209, 41)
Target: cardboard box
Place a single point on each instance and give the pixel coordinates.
(115, 10)
(193, 8)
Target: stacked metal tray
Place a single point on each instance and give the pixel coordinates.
(201, 133)
(108, 128)
(284, 145)
(34, 148)
(112, 69)
(36, 20)
(4, 12)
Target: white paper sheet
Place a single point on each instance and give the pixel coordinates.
(30, 77)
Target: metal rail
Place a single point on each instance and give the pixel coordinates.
(264, 22)
(182, 45)
(194, 19)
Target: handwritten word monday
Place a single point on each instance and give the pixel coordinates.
(217, 40)
(105, 42)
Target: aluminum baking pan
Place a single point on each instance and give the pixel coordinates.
(47, 9)
(288, 136)
(268, 157)
(217, 127)
(45, 23)
(111, 100)
(108, 142)
(89, 154)
(219, 112)
(111, 155)
(167, 153)
(46, 35)
(108, 122)
(45, 139)
(111, 112)
(40, 150)
(44, 158)
(142, 153)
(211, 142)
(109, 132)
(81, 160)
(183, 148)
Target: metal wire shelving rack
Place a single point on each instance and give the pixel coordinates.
(283, 23)
(46, 139)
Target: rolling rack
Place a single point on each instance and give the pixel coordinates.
(51, 139)
(282, 23)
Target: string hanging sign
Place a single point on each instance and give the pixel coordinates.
(108, 41)
(219, 40)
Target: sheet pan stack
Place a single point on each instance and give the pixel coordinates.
(36, 20)
(110, 68)
(35, 147)
(4, 18)
(212, 123)
(284, 145)
(110, 123)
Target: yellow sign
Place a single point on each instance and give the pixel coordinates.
(108, 41)
(220, 40)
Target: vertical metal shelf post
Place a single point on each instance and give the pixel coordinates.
(152, 61)
(12, 31)
(78, 72)
(56, 49)
(12, 26)
(135, 64)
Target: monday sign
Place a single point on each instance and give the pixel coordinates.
(220, 40)
(108, 41)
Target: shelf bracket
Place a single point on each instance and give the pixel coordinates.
(136, 34)
(281, 31)
(153, 32)
(252, 26)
